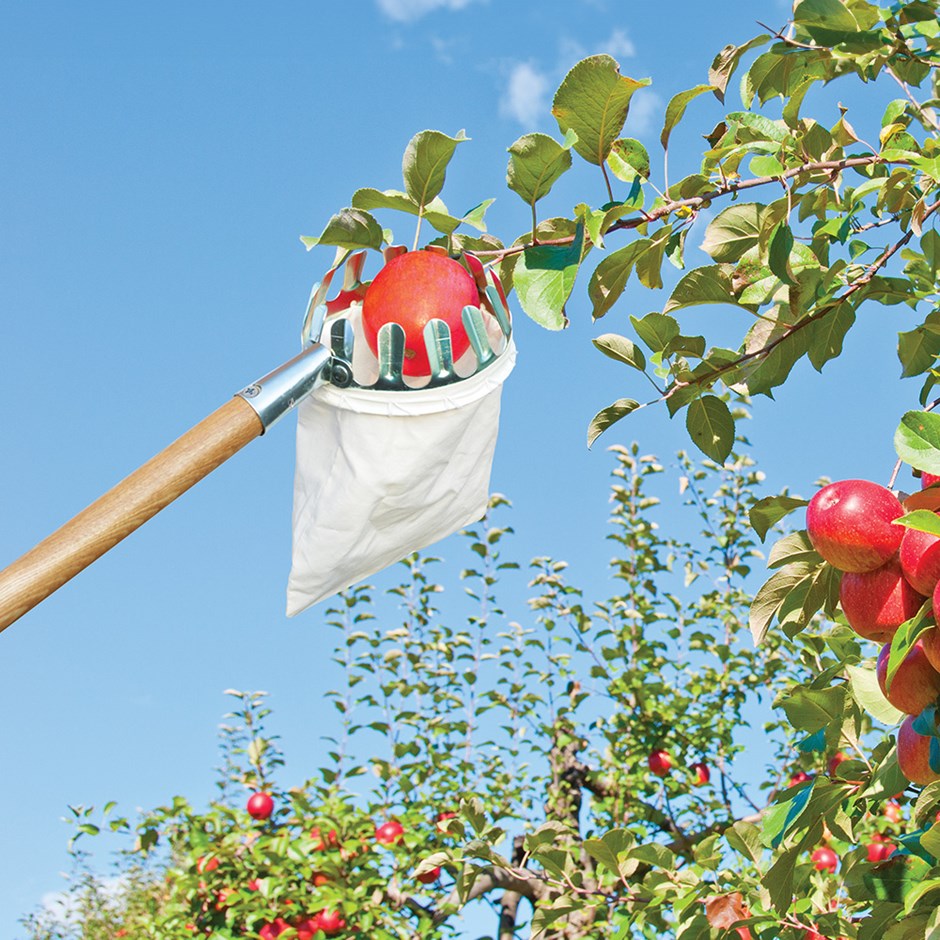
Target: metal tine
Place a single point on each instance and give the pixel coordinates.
(440, 352)
(341, 339)
(314, 318)
(499, 310)
(391, 343)
(476, 332)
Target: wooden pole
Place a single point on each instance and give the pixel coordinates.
(126, 506)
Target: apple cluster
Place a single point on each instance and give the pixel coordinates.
(889, 572)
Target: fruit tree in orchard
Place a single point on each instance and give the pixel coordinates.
(576, 767)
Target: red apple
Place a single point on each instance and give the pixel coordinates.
(877, 602)
(412, 289)
(204, 864)
(429, 877)
(879, 849)
(702, 773)
(834, 762)
(319, 879)
(306, 928)
(914, 754)
(390, 833)
(920, 559)
(799, 777)
(321, 843)
(892, 812)
(850, 524)
(330, 922)
(824, 859)
(915, 684)
(441, 820)
(260, 805)
(928, 479)
(812, 935)
(660, 763)
(253, 885)
(930, 640)
(273, 929)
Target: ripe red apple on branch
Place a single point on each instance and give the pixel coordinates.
(850, 524)
(825, 859)
(914, 754)
(390, 833)
(877, 602)
(660, 763)
(260, 806)
(915, 684)
(412, 289)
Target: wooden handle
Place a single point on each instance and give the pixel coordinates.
(126, 506)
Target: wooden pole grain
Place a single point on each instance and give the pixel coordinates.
(125, 507)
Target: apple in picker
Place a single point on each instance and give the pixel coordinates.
(915, 685)
(260, 806)
(877, 602)
(850, 524)
(412, 289)
(914, 754)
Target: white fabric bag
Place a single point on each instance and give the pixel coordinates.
(382, 474)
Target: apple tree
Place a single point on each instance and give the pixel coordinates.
(574, 763)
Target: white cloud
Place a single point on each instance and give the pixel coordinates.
(406, 10)
(646, 110)
(619, 45)
(525, 98)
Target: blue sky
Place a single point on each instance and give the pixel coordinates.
(159, 165)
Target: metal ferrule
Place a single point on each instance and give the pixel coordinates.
(273, 395)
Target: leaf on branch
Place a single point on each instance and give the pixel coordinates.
(593, 100)
(827, 334)
(921, 519)
(917, 440)
(610, 277)
(628, 160)
(906, 636)
(744, 838)
(544, 277)
(918, 348)
(825, 20)
(657, 330)
(725, 63)
(350, 228)
(771, 596)
(733, 231)
(424, 165)
(725, 910)
(867, 692)
(435, 211)
(711, 427)
(676, 108)
(536, 161)
(622, 349)
(767, 512)
(793, 547)
(707, 285)
(608, 416)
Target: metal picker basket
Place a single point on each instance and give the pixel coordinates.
(336, 325)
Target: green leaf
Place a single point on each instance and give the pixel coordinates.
(733, 231)
(778, 880)
(917, 440)
(725, 63)
(593, 101)
(767, 512)
(424, 165)
(628, 160)
(827, 334)
(620, 348)
(825, 20)
(544, 277)
(744, 838)
(771, 595)
(657, 330)
(650, 262)
(711, 427)
(781, 244)
(350, 228)
(868, 694)
(906, 636)
(793, 547)
(813, 709)
(707, 285)
(602, 853)
(536, 161)
(610, 277)
(782, 816)
(676, 108)
(608, 416)
(918, 348)
(921, 519)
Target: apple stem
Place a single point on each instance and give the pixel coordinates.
(414, 247)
